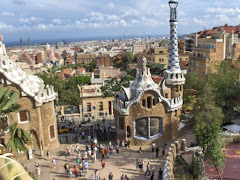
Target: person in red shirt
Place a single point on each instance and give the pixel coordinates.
(103, 163)
(76, 171)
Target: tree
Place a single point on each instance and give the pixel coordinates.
(126, 79)
(8, 104)
(127, 58)
(208, 118)
(156, 68)
(111, 88)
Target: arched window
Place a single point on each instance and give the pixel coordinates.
(144, 103)
(149, 102)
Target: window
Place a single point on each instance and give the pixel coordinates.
(155, 101)
(100, 106)
(203, 65)
(191, 63)
(176, 88)
(121, 123)
(166, 95)
(196, 65)
(24, 116)
(148, 128)
(52, 132)
(89, 108)
(144, 103)
(149, 102)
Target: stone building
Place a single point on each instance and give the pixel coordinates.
(147, 112)
(37, 113)
(93, 104)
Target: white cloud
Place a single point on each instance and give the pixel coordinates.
(44, 26)
(7, 14)
(199, 22)
(110, 6)
(29, 20)
(93, 13)
(4, 26)
(229, 11)
(97, 18)
(123, 22)
(57, 21)
(113, 17)
(223, 18)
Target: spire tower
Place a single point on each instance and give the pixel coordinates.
(173, 74)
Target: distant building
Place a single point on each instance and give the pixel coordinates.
(93, 105)
(82, 58)
(109, 72)
(137, 48)
(104, 61)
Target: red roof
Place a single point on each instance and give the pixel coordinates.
(80, 69)
(228, 29)
(157, 79)
(67, 71)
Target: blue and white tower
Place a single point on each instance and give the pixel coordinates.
(173, 75)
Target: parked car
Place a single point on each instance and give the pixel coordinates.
(63, 129)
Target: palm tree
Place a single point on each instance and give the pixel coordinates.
(8, 104)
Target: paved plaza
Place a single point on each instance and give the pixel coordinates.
(232, 165)
(118, 164)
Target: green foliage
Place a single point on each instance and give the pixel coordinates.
(8, 101)
(110, 88)
(156, 68)
(208, 118)
(127, 58)
(126, 79)
(68, 92)
(19, 137)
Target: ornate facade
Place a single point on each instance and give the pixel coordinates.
(37, 114)
(147, 111)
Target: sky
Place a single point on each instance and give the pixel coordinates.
(61, 19)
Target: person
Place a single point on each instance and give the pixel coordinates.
(89, 153)
(140, 149)
(122, 177)
(38, 171)
(126, 178)
(153, 171)
(78, 161)
(48, 154)
(148, 169)
(36, 165)
(54, 162)
(66, 168)
(76, 171)
(70, 173)
(117, 148)
(76, 149)
(165, 146)
(96, 177)
(86, 165)
(123, 143)
(68, 151)
(103, 163)
(137, 164)
(118, 143)
(107, 152)
(110, 177)
(103, 152)
(153, 146)
(157, 151)
(149, 176)
(160, 172)
(141, 166)
(163, 153)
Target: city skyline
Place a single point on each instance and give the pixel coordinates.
(78, 18)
